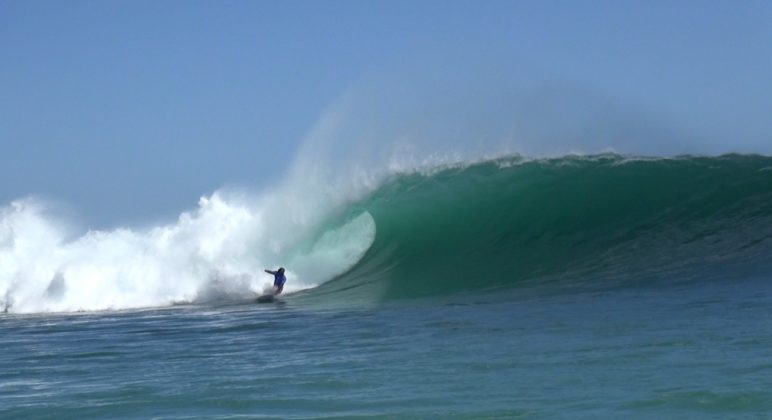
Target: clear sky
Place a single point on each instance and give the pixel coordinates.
(131, 110)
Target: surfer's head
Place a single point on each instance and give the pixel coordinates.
(281, 270)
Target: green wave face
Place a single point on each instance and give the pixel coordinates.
(592, 222)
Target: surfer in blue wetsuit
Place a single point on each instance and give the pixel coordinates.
(278, 279)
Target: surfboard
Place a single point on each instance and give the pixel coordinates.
(267, 298)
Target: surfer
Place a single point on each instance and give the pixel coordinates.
(278, 279)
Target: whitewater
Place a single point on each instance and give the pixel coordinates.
(215, 252)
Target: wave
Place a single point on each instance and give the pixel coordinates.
(494, 225)
(568, 222)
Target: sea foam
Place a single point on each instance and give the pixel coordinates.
(217, 251)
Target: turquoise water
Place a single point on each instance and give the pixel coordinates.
(576, 287)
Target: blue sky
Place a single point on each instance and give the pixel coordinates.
(131, 110)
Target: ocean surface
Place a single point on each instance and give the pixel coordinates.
(601, 286)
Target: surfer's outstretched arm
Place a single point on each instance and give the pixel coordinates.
(270, 272)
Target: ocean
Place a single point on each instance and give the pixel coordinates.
(595, 286)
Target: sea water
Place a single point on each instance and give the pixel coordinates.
(576, 287)
(696, 351)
